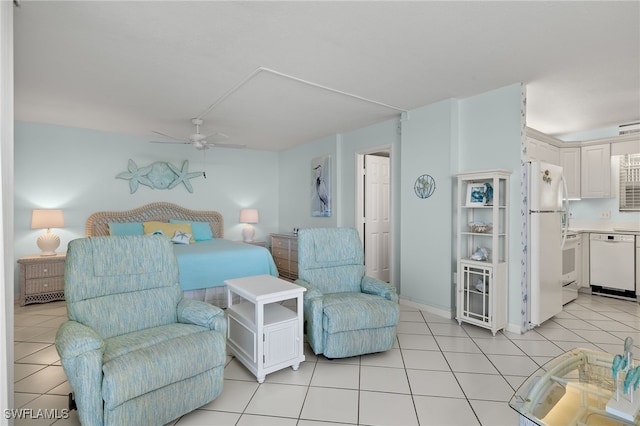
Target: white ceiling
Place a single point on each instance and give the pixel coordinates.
(134, 67)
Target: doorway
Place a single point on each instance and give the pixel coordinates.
(373, 211)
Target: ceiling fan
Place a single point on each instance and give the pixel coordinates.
(198, 140)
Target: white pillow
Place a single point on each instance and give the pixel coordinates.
(181, 237)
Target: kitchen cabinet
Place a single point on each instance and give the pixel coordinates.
(482, 247)
(542, 151)
(595, 171)
(570, 162)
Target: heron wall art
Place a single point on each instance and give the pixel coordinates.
(321, 186)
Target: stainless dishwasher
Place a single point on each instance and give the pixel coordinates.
(612, 265)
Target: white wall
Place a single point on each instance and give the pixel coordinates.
(74, 169)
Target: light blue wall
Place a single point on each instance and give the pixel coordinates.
(296, 186)
(296, 180)
(482, 132)
(440, 139)
(427, 264)
(491, 129)
(74, 169)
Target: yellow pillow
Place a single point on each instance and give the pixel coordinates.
(168, 229)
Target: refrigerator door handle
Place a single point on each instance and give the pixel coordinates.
(565, 207)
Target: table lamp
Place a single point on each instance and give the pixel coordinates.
(47, 219)
(248, 216)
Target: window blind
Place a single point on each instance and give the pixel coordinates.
(629, 182)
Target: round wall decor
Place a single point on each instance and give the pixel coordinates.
(424, 186)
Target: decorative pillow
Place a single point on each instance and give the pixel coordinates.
(168, 229)
(201, 230)
(181, 237)
(132, 228)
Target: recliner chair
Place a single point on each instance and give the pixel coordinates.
(134, 350)
(346, 312)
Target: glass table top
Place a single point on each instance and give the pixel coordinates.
(575, 389)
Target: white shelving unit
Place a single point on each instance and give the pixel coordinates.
(482, 254)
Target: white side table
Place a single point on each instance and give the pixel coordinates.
(263, 334)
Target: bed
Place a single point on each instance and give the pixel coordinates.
(203, 265)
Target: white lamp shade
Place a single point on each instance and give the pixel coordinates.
(249, 216)
(45, 219)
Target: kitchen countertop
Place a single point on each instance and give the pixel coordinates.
(604, 227)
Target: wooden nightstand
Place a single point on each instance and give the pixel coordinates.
(284, 249)
(41, 278)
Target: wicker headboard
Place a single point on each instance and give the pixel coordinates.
(98, 223)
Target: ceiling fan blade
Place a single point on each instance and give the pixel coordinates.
(170, 137)
(172, 142)
(225, 145)
(217, 136)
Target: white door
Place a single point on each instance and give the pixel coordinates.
(377, 223)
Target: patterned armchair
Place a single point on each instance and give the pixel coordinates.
(346, 312)
(134, 351)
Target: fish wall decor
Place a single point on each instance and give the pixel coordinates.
(158, 175)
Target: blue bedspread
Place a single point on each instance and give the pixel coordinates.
(208, 263)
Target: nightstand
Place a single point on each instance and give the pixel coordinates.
(41, 278)
(284, 249)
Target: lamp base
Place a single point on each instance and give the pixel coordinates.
(48, 243)
(247, 233)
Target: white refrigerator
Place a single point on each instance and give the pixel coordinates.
(547, 227)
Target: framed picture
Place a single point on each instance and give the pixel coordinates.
(321, 186)
(475, 194)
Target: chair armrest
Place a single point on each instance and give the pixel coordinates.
(74, 339)
(311, 292)
(203, 314)
(313, 306)
(380, 288)
(81, 350)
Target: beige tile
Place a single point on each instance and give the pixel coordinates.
(385, 409)
(277, 400)
(41, 381)
(235, 396)
(336, 376)
(384, 379)
(343, 405)
(390, 358)
(438, 411)
(434, 383)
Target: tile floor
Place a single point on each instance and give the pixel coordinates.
(438, 373)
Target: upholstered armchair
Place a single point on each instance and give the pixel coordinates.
(134, 351)
(346, 312)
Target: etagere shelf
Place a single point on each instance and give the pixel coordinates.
(482, 248)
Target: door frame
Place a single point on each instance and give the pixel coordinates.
(359, 198)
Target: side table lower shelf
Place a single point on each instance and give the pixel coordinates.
(279, 337)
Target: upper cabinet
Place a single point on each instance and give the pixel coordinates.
(538, 148)
(586, 165)
(595, 179)
(570, 162)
